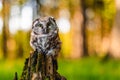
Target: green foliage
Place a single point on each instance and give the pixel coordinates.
(83, 69)
(21, 2)
(109, 9)
(106, 8)
(22, 43)
(90, 69)
(8, 69)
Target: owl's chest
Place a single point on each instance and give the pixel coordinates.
(43, 42)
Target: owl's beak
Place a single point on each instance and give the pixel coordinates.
(45, 31)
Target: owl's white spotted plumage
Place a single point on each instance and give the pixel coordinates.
(44, 36)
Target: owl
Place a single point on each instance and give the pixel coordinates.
(44, 36)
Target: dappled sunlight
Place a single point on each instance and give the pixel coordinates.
(1, 24)
(20, 20)
(64, 21)
(66, 44)
(118, 4)
(89, 31)
(64, 25)
(26, 18)
(14, 21)
(1, 6)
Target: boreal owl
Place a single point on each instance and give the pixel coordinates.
(44, 36)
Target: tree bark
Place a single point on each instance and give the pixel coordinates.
(40, 67)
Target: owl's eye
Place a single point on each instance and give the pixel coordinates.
(39, 25)
(50, 26)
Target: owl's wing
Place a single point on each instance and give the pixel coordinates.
(33, 42)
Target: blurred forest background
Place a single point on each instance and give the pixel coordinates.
(89, 30)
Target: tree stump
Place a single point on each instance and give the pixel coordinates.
(40, 67)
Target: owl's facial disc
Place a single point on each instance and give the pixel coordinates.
(37, 29)
(44, 26)
(41, 29)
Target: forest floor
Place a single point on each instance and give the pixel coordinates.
(80, 69)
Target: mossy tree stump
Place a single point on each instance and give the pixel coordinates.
(40, 67)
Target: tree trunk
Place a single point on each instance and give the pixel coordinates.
(40, 67)
(39, 7)
(84, 34)
(5, 14)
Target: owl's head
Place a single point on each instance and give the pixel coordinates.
(44, 25)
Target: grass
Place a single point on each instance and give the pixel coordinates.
(82, 69)
(8, 69)
(90, 69)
